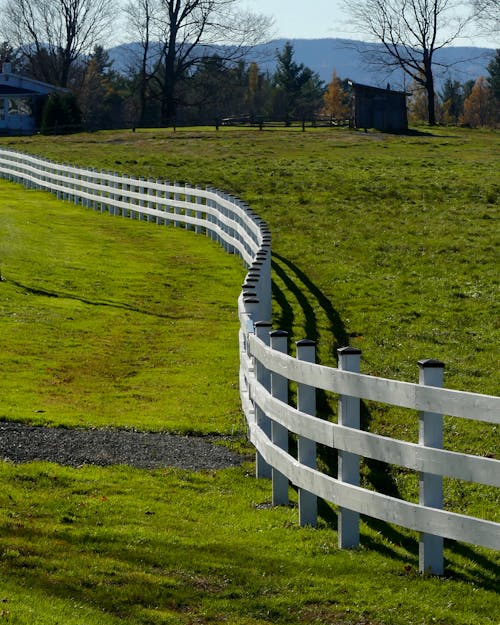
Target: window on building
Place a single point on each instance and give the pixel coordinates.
(20, 107)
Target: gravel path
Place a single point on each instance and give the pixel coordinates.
(103, 447)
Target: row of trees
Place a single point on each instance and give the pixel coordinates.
(473, 103)
(177, 75)
(413, 31)
(53, 38)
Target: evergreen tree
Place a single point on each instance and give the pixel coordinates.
(453, 101)
(299, 90)
(60, 114)
(467, 87)
(494, 83)
(99, 98)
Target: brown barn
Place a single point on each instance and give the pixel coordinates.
(383, 109)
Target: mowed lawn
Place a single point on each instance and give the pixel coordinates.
(386, 243)
(108, 322)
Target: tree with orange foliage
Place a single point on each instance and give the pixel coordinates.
(336, 102)
(479, 107)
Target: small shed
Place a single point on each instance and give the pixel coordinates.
(383, 109)
(18, 98)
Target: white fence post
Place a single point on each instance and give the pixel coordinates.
(266, 294)
(142, 202)
(177, 210)
(348, 471)
(430, 434)
(262, 330)
(199, 214)
(151, 218)
(279, 434)
(123, 195)
(306, 451)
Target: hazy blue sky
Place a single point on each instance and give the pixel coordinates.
(316, 19)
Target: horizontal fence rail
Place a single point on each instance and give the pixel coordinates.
(221, 217)
(266, 369)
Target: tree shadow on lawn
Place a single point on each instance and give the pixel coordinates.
(163, 573)
(304, 290)
(63, 295)
(377, 474)
(300, 286)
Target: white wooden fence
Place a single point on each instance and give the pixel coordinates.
(266, 370)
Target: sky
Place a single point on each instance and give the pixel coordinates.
(317, 19)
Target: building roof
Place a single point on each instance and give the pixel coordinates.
(376, 90)
(18, 85)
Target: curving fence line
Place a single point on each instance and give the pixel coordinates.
(266, 370)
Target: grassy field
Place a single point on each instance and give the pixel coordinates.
(106, 322)
(386, 243)
(107, 546)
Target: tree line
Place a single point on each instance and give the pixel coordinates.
(474, 103)
(184, 71)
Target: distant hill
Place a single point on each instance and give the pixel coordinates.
(348, 58)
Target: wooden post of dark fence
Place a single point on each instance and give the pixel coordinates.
(430, 434)
(348, 471)
(306, 450)
(279, 434)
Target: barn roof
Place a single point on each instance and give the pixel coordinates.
(369, 89)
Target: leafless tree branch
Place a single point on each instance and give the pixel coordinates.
(53, 34)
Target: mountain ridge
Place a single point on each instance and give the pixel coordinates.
(348, 58)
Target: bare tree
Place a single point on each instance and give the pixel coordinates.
(177, 34)
(487, 14)
(411, 31)
(51, 35)
(140, 15)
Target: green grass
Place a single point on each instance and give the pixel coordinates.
(108, 322)
(398, 234)
(387, 243)
(119, 545)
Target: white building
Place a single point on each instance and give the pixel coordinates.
(18, 96)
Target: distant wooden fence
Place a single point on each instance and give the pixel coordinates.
(266, 370)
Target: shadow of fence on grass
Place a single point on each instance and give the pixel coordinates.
(310, 298)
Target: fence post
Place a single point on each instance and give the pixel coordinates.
(123, 194)
(177, 210)
(430, 434)
(306, 452)
(279, 434)
(262, 468)
(160, 207)
(151, 218)
(210, 218)
(199, 214)
(141, 202)
(266, 281)
(348, 471)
